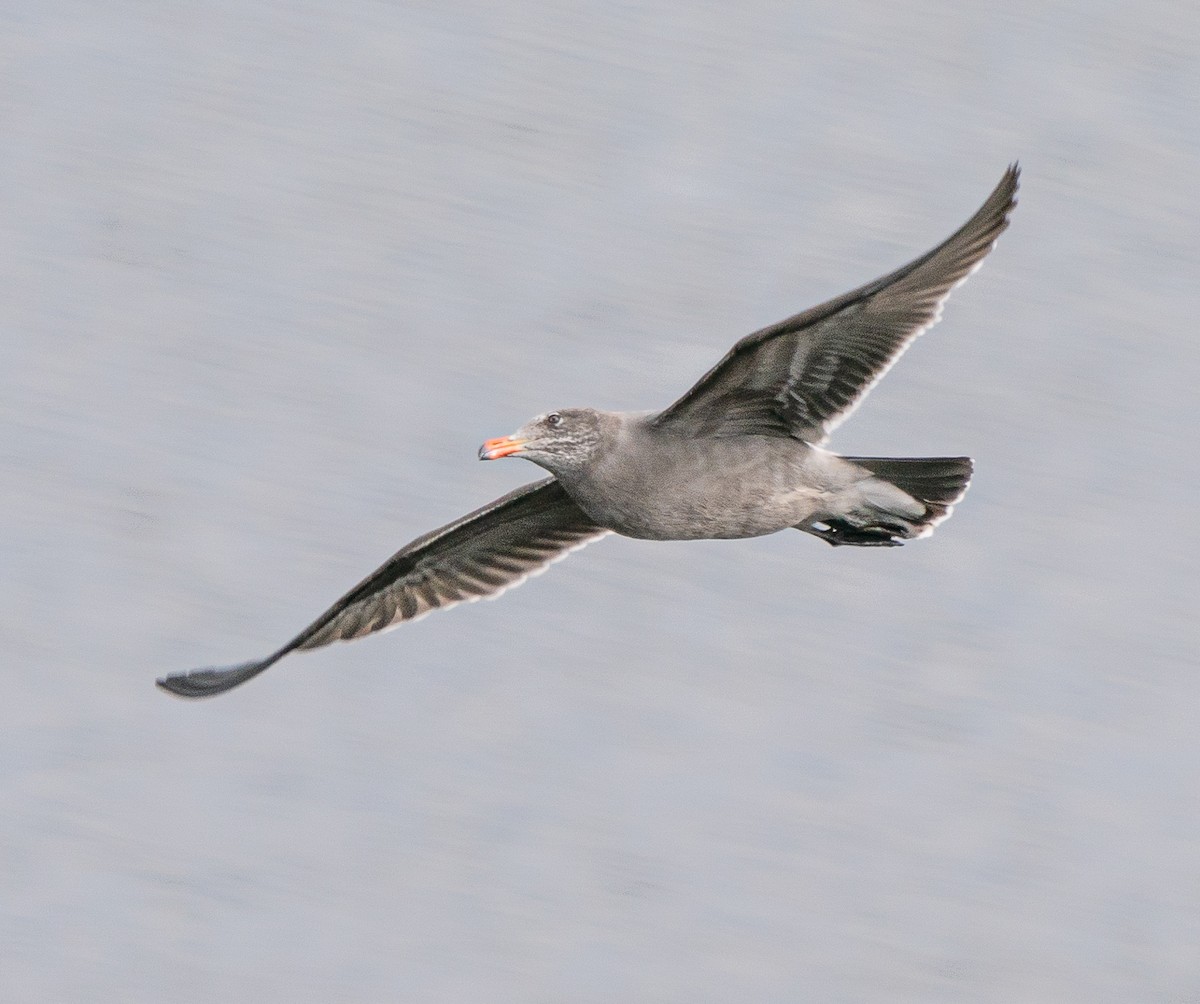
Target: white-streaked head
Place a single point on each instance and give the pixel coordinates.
(560, 441)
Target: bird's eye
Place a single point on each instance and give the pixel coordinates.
(554, 418)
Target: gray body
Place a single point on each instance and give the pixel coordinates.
(661, 485)
(739, 455)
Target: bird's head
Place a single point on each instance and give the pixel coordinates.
(560, 441)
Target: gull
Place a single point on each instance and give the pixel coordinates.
(739, 455)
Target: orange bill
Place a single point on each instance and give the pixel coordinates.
(504, 446)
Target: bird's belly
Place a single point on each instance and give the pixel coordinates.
(715, 488)
(680, 521)
(706, 511)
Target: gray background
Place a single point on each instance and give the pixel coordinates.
(272, 272)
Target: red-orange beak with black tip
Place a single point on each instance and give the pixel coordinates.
(505, 446)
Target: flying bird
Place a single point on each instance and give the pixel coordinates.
(739, 455)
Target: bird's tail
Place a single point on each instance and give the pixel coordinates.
(936, 482)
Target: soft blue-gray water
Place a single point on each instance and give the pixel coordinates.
(273, 271)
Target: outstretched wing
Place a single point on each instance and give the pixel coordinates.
(481, 555)
(803, 376)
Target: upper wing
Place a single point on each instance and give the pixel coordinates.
(480, 555)
(803, 376)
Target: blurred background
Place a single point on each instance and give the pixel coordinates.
(273, 271)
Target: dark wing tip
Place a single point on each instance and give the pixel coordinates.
(1012, 176)
(210, 682)
(1006, 191)
(991, 219)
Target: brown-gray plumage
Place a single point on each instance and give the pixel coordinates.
(480, 555)
(737, 456)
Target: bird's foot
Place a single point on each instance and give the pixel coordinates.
(839, 533)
